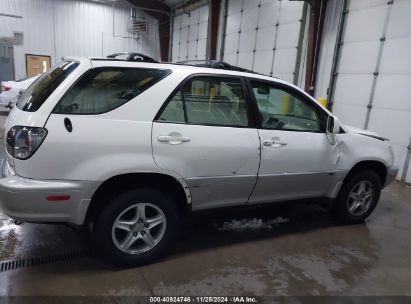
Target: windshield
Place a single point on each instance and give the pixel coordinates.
(41, 89)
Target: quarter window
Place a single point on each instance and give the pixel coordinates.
(208, 100)
(38, 92)
(104, 89)
(281, 110)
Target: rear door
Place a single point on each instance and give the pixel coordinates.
(204, 132)
(296, 157)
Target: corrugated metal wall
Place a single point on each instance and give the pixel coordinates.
(264, 36)
(374, 73)
(73, 28)
(190, 35)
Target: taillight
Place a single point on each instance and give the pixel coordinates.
(5, 88)
(22, 142)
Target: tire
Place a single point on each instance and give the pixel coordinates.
(125, 211)
(351, 207)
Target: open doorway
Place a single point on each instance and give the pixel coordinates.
(37, 64)
(6, 63)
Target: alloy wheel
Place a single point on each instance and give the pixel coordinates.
(139, 228)
(360, 198)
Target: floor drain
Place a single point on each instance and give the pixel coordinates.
(42, 260)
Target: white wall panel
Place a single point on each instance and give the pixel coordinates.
(353, 89)
(262, 42)
(393, 92)
(262, 61)
(263, 35)
(394, 124)
(268, 14)
(284, 61)
(374, 72)
(360, 4)
(288, 35)
(400, 12)
(355, 113)
(365, 24)
(358, 60)
(394, 50)
(249, 20)
(60, 28)
(359, 57)
(190, 35)
(247, 41)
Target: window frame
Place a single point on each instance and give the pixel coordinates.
(247, 99)
(322, 115)
(169, 71)
(51, 92)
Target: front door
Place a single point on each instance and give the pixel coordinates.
(296, 157)
(204, 134)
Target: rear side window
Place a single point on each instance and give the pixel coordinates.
(41, 89)
(206, 100)
(103, 89)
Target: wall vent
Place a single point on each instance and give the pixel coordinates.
(136, 25)
(17, 39)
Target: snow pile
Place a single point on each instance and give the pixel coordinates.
(252, 224)
(7, 225)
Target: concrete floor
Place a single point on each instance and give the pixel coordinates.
(307, 255)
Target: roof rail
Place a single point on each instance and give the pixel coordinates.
(215, 64)
(130, 56)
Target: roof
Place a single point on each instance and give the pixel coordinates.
(200, 66)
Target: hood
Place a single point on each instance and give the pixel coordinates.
(365, 132)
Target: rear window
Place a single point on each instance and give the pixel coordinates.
(103, 89)
(41, 89)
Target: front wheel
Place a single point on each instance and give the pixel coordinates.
(358, 197)
(136, 227)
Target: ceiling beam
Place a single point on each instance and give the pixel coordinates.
(151, 5)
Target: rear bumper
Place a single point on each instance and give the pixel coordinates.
(391, 174)
(27, 200)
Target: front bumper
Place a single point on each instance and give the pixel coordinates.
(27, 200)
(391, 174)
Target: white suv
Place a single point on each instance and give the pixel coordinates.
(128, 148)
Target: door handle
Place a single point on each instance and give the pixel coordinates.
(173, 139)
(274, 142)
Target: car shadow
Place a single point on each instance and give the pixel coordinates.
(227, 226)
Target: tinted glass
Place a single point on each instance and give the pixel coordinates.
(104, 89)
(282, 110)
(41, 89)
(209, 101)
(174, 111)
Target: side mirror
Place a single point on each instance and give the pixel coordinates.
(333, 127)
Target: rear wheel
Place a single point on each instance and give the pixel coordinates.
(136, 227)
(357, 198)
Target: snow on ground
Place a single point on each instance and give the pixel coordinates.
(8, 225)
(251, 224)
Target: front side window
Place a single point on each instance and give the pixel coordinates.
(103, 89)
(282, 110)
(207, 100)
(37, 93)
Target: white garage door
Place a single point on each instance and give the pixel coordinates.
(264, 36)
(374, 73)
(190, 35)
